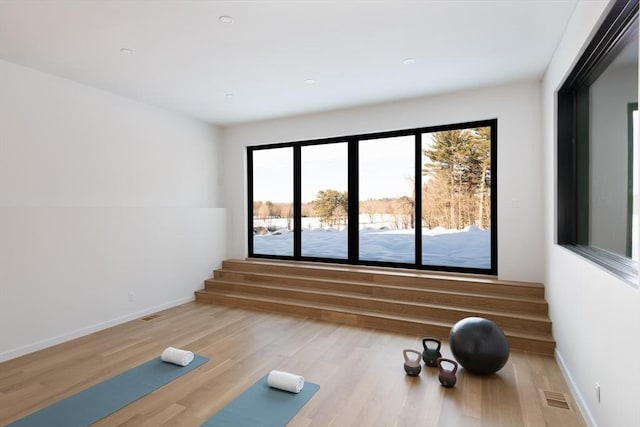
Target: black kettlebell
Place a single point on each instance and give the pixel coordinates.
(446, 376)
(430, 355)
(412, 366)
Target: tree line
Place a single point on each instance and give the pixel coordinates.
(330, 207)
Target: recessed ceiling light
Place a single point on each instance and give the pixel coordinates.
(310, 81)
(126, 51)
(226, 19)
(408, 61)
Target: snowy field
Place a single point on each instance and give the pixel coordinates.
(452, 248)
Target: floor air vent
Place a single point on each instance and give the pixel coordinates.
(150, 317)
(555, 399)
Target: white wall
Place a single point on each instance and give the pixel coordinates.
(100, 197)
(517, 108)
(596, 317)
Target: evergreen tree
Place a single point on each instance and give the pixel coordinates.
(331, 206)
(482, 145)
(459, 163)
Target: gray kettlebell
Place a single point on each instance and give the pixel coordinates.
(412, 366)
(430, 355)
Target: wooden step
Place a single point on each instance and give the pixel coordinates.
(391, 276)
(536, 343)
(405, 301)
(536, 323)
(475, 299)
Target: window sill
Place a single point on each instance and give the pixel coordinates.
(622, 267)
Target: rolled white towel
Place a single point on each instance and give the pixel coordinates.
(177, 356)
(285, 381)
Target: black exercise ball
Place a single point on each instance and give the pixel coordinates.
(479, 345)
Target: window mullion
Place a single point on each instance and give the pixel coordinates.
(418, 199)
(353, 204)
(297, 202)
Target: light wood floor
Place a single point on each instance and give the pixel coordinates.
(362, 381)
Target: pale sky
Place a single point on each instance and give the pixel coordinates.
(386, 169)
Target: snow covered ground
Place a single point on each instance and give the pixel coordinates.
(452, 248)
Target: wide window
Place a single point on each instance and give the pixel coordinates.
(416, 198)
(598, 147)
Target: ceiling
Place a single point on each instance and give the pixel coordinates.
(186, 60)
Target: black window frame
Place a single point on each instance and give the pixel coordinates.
(618, 29)
(353, 202)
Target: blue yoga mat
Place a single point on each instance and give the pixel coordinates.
(262, 406)
(105, 398)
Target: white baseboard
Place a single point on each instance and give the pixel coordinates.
(582, 405)
(21, 351)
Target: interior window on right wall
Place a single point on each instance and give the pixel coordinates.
(598, 167)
